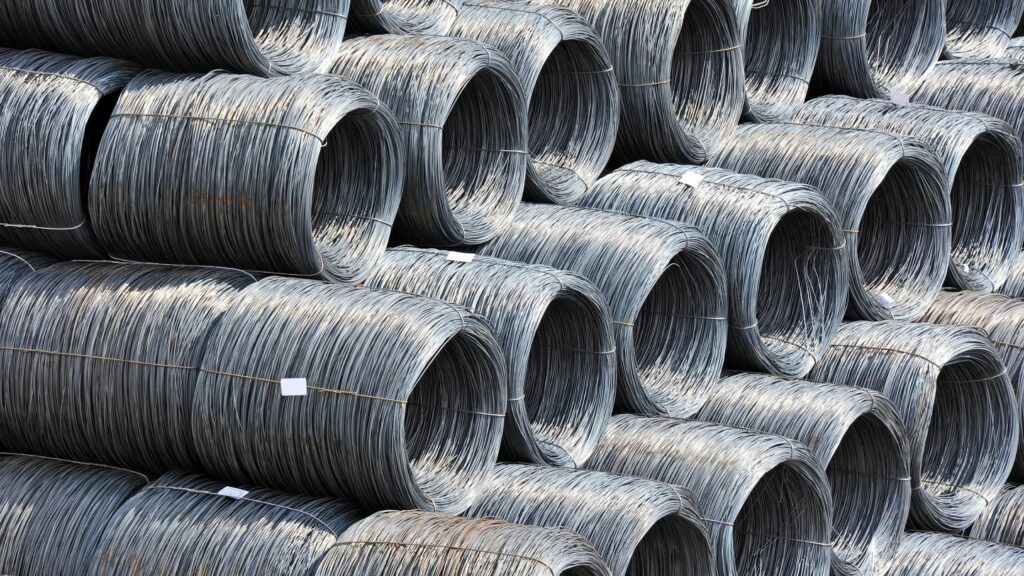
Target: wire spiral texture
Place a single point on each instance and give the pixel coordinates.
(1014, 286)
(1002, 521)
(15, 263)
(931, 554)
(991, 86)
(404, 16)
(1015, 49)
(980, 29)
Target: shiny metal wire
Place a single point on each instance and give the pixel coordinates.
(781, 243)
(890, 193)
(984, 165)
(572, 97)
(1014, 286)
(955, 398)
(1002, 521)
(15, 263)
(298, 175)
(931, 554)
(666, 288)
(980, 29)
(1015, 49)
(404, 16)
(464, 119)
(990, 86)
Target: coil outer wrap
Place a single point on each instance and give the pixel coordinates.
(405, 16)
(989, 86)
(980, 29)
(947, 555)
(15, 263)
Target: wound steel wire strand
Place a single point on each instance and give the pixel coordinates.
(404, 16)
(871, 48)
(980, 29)
(1014, 286)
(464, 120)
(666, 288)
(984, 168)
(15, 263)
(781, 244)
(931, 554)
(572, 96)
(1015, 49)
(765, 498)
(298, 175)
(859, 438)
(957, 404)
(556, 333)
(990, 86)
(98, 361)
(261, 37)
(890, 193)
(53, 512)
(1002, 521)
(405, 400)
(53, 109)
(640, 527)
(415, 542)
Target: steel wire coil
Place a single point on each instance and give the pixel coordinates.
(15, 263)
(666, 288)
(573, 100)
(404, 404)
(781, 244)
(1002, 521)
(464, 119)
(980, 29)
(954, 396)
(53, 512)
(1015, 49)
(404, 16)
(890, 193)
(413, 542)
(1014, 285)
(182, 524)
(98, 361)
(984, 166)
(556, 334)
(639, 527)
(53, 109)
(990, 86)
(261, 37)
(931, 554)
(298, 175)
(859, 438)
(765, 498)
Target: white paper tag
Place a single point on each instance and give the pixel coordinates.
(460, 257)
(692, 179)
(885, 301)
(293, 387)
(232, 492)
(900, 98)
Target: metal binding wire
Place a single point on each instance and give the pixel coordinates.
(980, 29)
(404, 16)
(15, 263)
(926, 553)
(990, 86)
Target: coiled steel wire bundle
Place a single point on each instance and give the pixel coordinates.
(640, 527)
(15, 263)
(980, 29)
(665, 286)
(53, 512)
(183, 523)
(858, 437)
(98, 361)
(404, 16)
(464, 120)
(991, 86)
(573, 99)
(555, 330)
(955, 398)
(250, 36)
(1014, 286)
(1002, 521)
(984, 167)
(405, 396)
(53, 109)
(931, 554)
(765, 498)
(440, 545)
(298, 175)
(781, 244)
(890, 193)
(1015, 49)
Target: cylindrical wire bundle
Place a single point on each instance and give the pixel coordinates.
(765, 497)
(931, 554)
(404, 401)
(1002, 520)
(54, 512)
(186, 524)
(984, 166)
(891, 195)
(980, 29)
(404, 16)
(254, 37)
(298, 175)
(993, 87)
(666, 288)
(782, 247)
(98, 362)
(955, 398)
(573, 99)
(555, 330)
(464, 120)
(53, 109)
(640, 527)
(858, 437)
(15, 263)
(412, 542)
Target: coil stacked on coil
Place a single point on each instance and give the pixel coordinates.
(980, 29)
(926, 553)
(573, 99)
(955, 398)
(781, 244)
(557, 336)
(665, 286)
(464, 119)
(404, 16)
(289, 175)
(406, 396)
(983, 161)
(855, 433)
(53, 109)
(1002, 521)
(890, 193)
(256, 37)
(425, 543)
(640, 527)
(15, 263)
(994, 87)
(54, 512)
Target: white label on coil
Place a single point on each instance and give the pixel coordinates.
(692, 179)
(900, 98)
(293, 387)
(232, 492)
(460, 257)
(885, 301)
